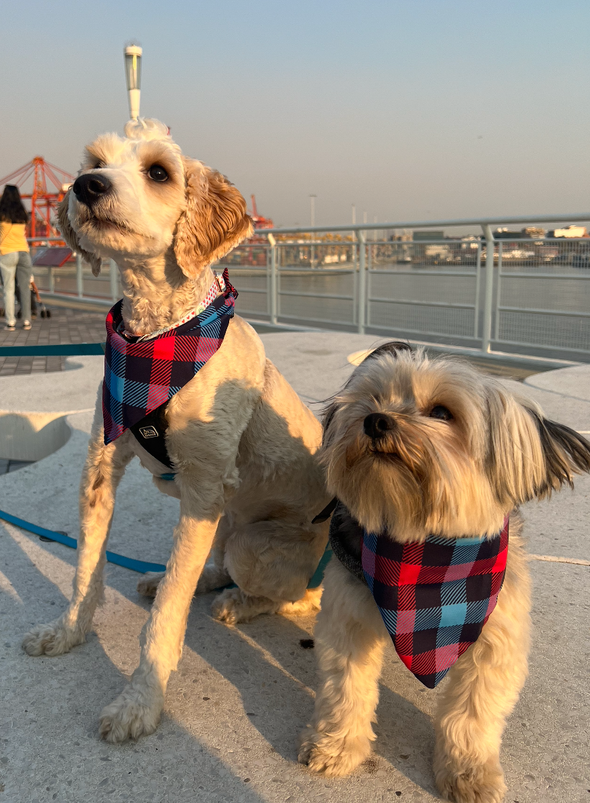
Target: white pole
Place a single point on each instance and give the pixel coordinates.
(79, 276)
(133, 55)
(312, 216)
(489, 287)
(362, 274)
(113, 279)
(273, 280)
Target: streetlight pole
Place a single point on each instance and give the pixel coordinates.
(312, 218)
(133, 76)
(353, 249)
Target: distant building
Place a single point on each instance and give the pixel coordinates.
(534, 232)
(569, 231)
(421, 236)
(506, 234)
(530, 232)
(471, 241)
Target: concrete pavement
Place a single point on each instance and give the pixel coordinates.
(241, 695)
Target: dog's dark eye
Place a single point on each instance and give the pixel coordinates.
(440, 412)
(99, 166)
(157, 173)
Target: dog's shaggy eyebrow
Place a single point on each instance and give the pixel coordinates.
(95, 151)
(158, 152)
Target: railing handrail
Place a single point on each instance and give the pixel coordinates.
(425, 224)
(413, 224)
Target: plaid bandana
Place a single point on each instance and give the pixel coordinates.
(141, 375)
(434, 597)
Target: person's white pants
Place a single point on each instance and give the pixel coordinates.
(16, 265)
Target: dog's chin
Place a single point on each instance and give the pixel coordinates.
(112, 239)
(411, 493)
(381, 491)
(388, 458)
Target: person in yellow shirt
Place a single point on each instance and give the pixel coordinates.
(15, 259)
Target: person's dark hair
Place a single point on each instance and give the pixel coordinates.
(12, 209)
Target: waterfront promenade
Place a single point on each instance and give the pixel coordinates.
(241, 695)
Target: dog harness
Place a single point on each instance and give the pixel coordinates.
(142, 375)
(434, 597)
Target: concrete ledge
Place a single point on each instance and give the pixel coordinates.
(31, 436)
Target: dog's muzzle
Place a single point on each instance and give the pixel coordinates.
(90, 188)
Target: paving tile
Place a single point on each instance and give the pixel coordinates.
(66, 325)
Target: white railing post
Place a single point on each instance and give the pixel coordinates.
(498, 291)
(113, 278)
(477, 291)
(489, 289)
(362, 274)
(273, 280)
(51, 280)
(79, 276)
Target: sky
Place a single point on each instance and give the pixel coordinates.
(416, 110)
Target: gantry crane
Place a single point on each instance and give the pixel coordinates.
(43, 201)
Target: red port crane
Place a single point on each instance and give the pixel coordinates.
(259, 221)
(43, 199)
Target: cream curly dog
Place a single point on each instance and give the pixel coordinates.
(241, 441)
(414, 447)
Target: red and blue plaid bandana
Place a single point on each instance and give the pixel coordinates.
(434, 597)
(142, 375)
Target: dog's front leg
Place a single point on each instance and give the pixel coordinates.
(482, 690)
(350, 639)
(137, 710)
(105, 465)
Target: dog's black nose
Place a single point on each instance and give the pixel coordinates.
(377, 425)
(90, 187)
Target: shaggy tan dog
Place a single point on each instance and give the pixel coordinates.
(412, 447)
(241, 441)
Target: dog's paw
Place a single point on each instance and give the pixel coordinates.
(233, 606)
(331, 756)
(478, 783)
(227, 606)
(148, 585)
(128, 718)
(52, 639)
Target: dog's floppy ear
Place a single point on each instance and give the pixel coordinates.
(528, 455)
(214, 221)
(566, 452)
(393, 347)
(69, 234)
(327, 418)
(515, 462)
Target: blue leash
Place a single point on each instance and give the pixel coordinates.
(54, 535)
(141, 566)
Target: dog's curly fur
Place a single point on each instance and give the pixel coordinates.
(241, 441)
(456, 452)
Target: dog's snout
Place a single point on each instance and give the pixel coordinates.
(376, 425)
(90, 187)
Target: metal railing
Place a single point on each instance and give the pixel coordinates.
(526, 295)
(75, 278)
